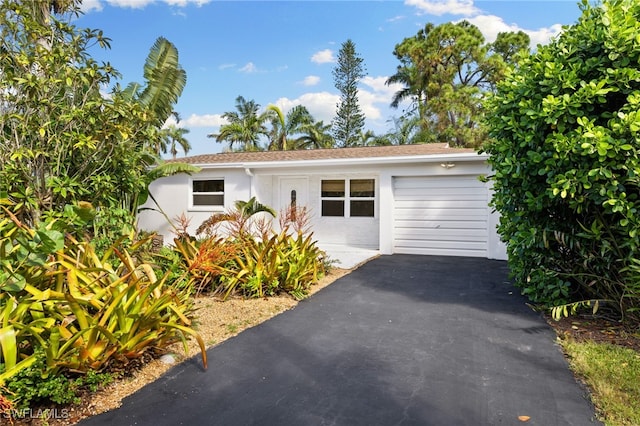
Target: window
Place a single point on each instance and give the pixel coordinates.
(332, 194)
(348, 198)
(208, 192)
(362, 193)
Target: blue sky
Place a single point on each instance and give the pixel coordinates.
(283, 52)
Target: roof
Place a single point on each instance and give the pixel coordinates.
(362, 153)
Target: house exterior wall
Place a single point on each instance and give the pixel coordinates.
(269, 184)
(352, 231)
(173, 194)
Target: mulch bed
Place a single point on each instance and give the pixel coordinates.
(597, 329)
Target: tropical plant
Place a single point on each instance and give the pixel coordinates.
(172, 137)
(237, 223)
(281, 263)
(445, 71)
(349, 120)
(315, 136)
(406, 131)
(252, 261)
(283, 127)
(61, 140)
(565, 151)
(79, 310)
(164, 81)
(245, 126)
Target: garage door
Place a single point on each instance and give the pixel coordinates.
(440, 216)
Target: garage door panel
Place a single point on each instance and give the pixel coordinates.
(460, 245)
(477, 235)
(443, 197)
(440, 215)
(461, 192)
(427, 214)
(442, 204)
(459, 223)
(439, 182)
(443, 252)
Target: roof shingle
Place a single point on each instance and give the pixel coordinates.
(324, 154)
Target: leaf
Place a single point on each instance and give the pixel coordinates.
(51, 241)
(9, 346)
(524, 418)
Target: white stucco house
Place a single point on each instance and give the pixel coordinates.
(415, 199)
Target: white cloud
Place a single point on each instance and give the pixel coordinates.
(367, 101)
(321, 105)
(491, 25)
(379, 86)
(204, 120)
(310, 80)
(226, 66)
(133, 4)
(323, 57)
(249, 68)
(444, 7)
(544, 35)
(378, 93)
(88, 5)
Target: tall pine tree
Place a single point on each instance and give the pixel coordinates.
(349, 120)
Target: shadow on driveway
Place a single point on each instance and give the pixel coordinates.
(411, 340)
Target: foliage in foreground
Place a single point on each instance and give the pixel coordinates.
(613, 375)
(240, 255)
(31, 385)
(62, 140)
(70, 311)
(566, 155)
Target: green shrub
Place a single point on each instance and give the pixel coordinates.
(82, 311)
(33, 385)
(566, 154)
(244, 256)
(282, 263)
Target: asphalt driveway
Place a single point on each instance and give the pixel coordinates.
(411, 340)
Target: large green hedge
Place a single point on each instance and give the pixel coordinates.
(565, 149)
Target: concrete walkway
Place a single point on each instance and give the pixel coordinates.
(402, 340)
(347, 257)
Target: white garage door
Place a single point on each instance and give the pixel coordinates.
(440, 216)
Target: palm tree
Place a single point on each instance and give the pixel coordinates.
(253, 207)
(282, 127)
(165, 81)
(407, 131)
(174, 136)
(244, 126)
(366, 138)
(315, 135)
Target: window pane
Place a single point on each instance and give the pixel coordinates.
(332, 208)
(333, 188)
(208, 200)
(362, 188)
(216, 185)
(362, 208)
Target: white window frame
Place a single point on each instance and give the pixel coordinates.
(210, 207)
(347, 197)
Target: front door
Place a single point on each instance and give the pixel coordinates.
(294, 192)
